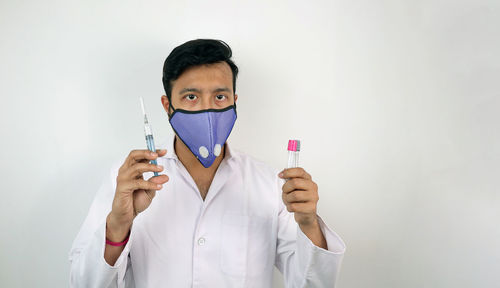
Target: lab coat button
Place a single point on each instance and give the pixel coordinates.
(201, 241)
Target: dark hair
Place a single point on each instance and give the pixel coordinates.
(194, 53)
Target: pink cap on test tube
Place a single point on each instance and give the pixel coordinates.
(294, 145)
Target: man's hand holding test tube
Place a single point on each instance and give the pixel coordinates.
(133, 193)
(300, 196)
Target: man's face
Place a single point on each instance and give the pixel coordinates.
(203, 87)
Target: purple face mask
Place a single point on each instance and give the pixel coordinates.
(204, 132)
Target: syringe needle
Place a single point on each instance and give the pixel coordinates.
(142, 106)
(143, 110)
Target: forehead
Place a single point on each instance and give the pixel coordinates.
(205, 76)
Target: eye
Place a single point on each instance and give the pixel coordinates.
(221, 97)
(191, 97)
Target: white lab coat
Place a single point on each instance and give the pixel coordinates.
(232, 239)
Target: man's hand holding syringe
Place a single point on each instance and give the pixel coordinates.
(133, 194)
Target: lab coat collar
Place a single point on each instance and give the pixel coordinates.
(222, 175)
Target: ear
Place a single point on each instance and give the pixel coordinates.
(235, 98)
(165, 103)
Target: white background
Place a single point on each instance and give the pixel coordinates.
(397, 104)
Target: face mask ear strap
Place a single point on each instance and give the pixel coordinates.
(170, 106)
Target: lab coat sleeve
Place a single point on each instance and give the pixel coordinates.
(301, 262)
(88, 268)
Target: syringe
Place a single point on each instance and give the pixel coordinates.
(293, 153)
(148, 131)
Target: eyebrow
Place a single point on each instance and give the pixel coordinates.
(220, 89)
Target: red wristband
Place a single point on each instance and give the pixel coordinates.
(118, 243)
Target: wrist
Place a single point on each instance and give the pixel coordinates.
(116, 231)
(310, 224)
(118, 244)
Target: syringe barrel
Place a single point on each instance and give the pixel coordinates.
(151, 147)
(148, 130)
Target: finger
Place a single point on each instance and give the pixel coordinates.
(144, 161)
(297, 196)
(138, 184)
(160, 179)
(295, 173)
(140, 168)
(150, 194)
(300, 207)
(142, 200)
(161, 152)
(138, 155)
(136, 171)
(296, 184)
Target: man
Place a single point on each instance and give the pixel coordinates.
(215, 217)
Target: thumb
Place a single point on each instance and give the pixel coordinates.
(161, 152)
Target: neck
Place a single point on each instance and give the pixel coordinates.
(193, 166)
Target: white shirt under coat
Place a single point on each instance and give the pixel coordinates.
(232, 239)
